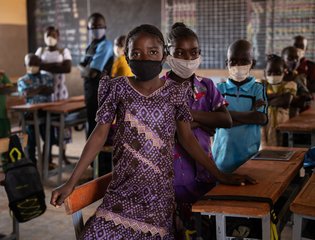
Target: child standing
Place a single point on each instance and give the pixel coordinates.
(98, 61)
(139, 202)
(302, 100)
(280, 95)
(37, 88)
(247, 106)
(208, 110)
(120, 65)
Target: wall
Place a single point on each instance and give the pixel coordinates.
(13, 37)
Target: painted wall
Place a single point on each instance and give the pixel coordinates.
(13, 37)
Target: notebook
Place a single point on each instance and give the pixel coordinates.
(280, 155)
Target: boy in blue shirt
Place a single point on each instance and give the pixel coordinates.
(247, 106)
(97, 62)
(37, 88)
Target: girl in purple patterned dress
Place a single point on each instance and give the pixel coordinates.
(139, 202)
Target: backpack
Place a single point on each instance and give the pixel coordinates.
(23, 184)
(309, 159)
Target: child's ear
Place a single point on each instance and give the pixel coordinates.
(253, 63)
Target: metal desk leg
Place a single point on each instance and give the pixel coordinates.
(290, 139)
(61, 140)
(47, 146)
(16, 228)
(265, 221)
(220, 225)
(37, 138)
(23, 122)
(297, 226)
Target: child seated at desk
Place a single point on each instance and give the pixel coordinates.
(280, 94)
(247, 105)
(37, 87)
(303, 98)
(5, 87)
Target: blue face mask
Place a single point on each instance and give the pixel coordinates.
(97, 33)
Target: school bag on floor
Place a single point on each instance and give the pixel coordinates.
(22, 184)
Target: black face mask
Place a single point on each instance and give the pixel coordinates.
(145, 70)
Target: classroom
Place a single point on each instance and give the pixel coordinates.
(157, 119)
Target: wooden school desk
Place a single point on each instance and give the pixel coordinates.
(61, 111)
(303, 123)
(303, 207)
(273, 178)
(33, 108)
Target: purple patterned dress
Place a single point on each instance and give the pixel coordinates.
(139, 202)
(191, 179)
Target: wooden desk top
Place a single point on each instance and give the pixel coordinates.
(76, 98)
(66, 107)
(305, 122)
(37, 106)
(304, 203)
(272, 177)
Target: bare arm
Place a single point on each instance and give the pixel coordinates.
(189, 142)
(250, 117)
(93, 145)
(87, 72)
(40, 90)
(220, 118)
(282, 100)
(63, 67)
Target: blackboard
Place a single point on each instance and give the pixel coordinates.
(269, 24)
(70, 17)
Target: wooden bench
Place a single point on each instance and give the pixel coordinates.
(83, 196)
(273, 178)
(303, 207)
(303, 123)
(4, 146)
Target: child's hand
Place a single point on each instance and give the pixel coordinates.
(236, 179)
(60, 194)
(259, 103)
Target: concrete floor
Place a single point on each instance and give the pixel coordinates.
(54, 223)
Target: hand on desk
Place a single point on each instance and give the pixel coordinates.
(60, 194)
(236, 179)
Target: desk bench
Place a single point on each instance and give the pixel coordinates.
(273, 178)
(303, 207)
(303, 123)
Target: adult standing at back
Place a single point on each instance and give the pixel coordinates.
(98, 61)
(56, 61)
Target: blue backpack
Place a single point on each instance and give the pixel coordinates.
(309, 159)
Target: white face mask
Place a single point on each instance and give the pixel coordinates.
(239, 73)
(32, 69)
(118, 51)
(274, 79)
(301, 53)
(50, 41)
(183, 68)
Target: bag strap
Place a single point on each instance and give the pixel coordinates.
(15, 151)
(273, 216)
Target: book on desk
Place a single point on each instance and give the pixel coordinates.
(274, 155)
